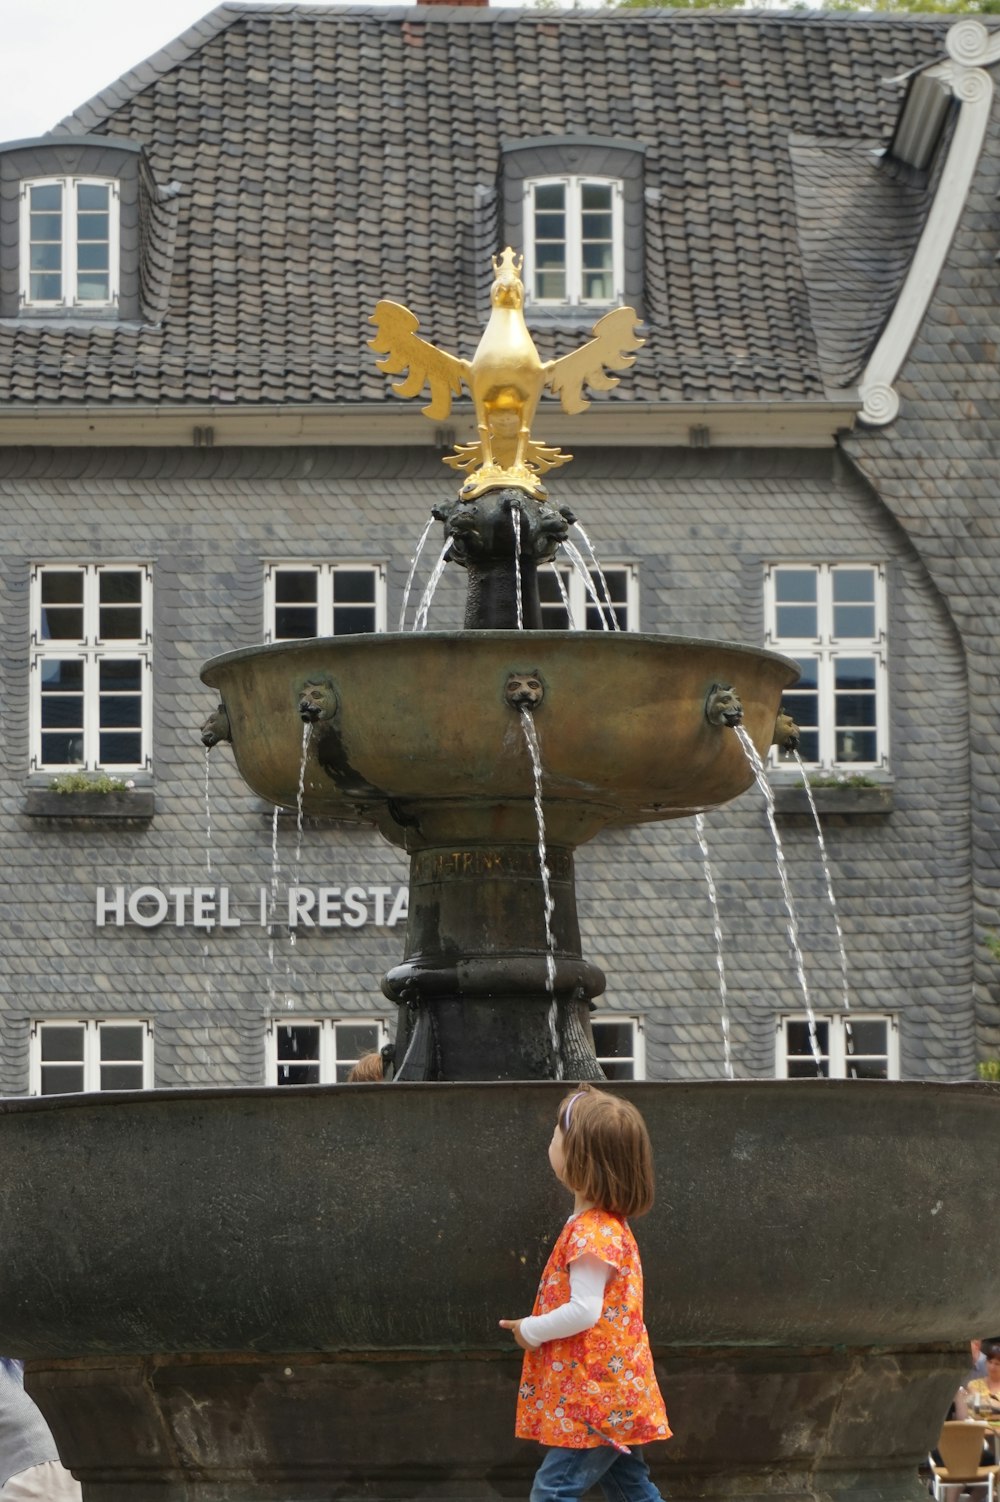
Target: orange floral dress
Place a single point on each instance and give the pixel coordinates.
(598, 1387)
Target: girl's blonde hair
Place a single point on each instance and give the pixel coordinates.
(608, 1156)
(367, 1070)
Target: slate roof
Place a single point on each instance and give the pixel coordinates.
(332, 156)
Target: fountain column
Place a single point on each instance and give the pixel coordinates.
(476, 987)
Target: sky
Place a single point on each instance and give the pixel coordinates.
(57, 54)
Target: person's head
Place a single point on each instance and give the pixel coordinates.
(366, 1070)
(600, 1149)
(991, 1350)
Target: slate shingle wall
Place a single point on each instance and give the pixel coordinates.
(702, 525)
(938, 470)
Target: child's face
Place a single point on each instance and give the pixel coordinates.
(557, 1154)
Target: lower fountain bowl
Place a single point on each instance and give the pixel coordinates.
(285, 1295)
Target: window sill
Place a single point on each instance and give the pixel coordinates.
(135, 806)
(848, 802)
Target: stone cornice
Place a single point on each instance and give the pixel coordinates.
(772, 424)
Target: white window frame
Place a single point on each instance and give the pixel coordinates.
(70, 271)
(92, 1028)
(580, 597)
(826, 648)
(328, 1059)
(638, 1039)
(573, 184)
(91, 650)
(326, 573)
(839, 1024)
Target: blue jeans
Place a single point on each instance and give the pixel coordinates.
(565, 1475)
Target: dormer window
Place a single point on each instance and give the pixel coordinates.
(573, 245)
(576, 206)
(69, 242)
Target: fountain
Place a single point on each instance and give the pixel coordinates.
(287, 1295)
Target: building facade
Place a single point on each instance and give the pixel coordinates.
(197, 453)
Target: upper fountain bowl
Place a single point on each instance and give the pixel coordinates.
(419, 729)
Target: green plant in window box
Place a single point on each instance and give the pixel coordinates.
(86, 782)
(989, 1069)
(992, 942)
(843, 780)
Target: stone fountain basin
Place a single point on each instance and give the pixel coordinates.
(411, 1217)
(421, 718)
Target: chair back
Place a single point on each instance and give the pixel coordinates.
(960, 1448)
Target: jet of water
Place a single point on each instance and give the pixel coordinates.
(515, 517)
(420, 622)
(720, 960)
(848, 1029)
(413, 569)
(577, 560)
(600, 574)
(792, 925)
(534, 751)
(563, 591)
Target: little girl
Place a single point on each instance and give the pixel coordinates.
(588, 1391)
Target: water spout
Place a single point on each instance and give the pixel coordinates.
(317, 701)
(722, 707)
(216, 728)
(524, 690)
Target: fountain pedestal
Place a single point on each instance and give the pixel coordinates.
(474, 981)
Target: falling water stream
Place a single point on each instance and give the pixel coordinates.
(420, 622)
(600, 574)
(299, 801)
(720, 961)
(792, 925)
(206, 970)
(273, 907)
(413, 569)
(824, 858)
(534, 750)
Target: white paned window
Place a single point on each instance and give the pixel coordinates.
(320, 1051)
(573, 241)
(91, 666)
(69, 1057)
(571, 603)
(69, 242)
(325, 599)
(859, 1046)
(831, 618)
(619, 1042)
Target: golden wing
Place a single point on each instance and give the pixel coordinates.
(615, 334)
(428, 366)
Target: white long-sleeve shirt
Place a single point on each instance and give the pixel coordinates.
(588, 1278)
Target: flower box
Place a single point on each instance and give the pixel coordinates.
(134, 804)
(851, 802)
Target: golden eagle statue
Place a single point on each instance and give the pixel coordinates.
(506, 378)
